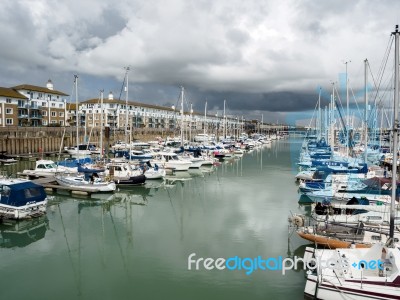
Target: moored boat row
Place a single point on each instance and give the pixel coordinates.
(106, 176)
(360, 256)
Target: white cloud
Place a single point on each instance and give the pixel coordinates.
(223, 46)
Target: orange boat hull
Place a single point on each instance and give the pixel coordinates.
(330, 242)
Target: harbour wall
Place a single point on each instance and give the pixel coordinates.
(16, 141)
(36, 140)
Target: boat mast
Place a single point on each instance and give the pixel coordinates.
(395, 125)
(262, 122)
(182, 93)
(348, 113)
(126, 105)
(319, 119)
(366, 109)
(224, 133)
(205, 121)
(101, 124)
(332, 123)
(77, 115)
(324, 129)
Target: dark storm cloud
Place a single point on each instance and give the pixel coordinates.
(274, 101)
(258, 55)
(246, 102)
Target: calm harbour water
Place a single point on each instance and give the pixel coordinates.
(136, 244)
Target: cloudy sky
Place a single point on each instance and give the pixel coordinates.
(263, 56)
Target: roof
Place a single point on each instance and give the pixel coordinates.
(35, 88)
(122, 102)
(11, 93)
(134, 103)
(71, 106)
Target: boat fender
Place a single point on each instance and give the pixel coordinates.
(298, 221)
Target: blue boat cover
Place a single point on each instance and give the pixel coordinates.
(19, 194)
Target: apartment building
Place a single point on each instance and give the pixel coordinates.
(34, 106)
(121, 114)
(41, 106)
(10, 99)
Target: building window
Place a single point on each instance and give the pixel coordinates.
(61, 114)
(53, 122)
(9, 121)
(8, 100)
(44, 122)
(40, 95)
(53, 105)
(44, 113)
(60, 105)
(43, 103)
(53, 113)
(61, 123)
(9, 111)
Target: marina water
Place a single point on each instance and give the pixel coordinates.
(135, 244)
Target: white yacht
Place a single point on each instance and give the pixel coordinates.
(170, 160)
(48, 168)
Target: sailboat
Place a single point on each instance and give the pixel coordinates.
(79, 149)
(369, 273)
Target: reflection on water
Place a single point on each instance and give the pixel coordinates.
(135, 242)
(22, 233)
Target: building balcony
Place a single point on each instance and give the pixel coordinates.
(36, 117)
(35, 107)
(22, 116)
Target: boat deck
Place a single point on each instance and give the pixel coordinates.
(51, 185)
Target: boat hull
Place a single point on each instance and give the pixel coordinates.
(81, 185)
(315, 289)
(329, 242)
(23, 212)
(133, 180)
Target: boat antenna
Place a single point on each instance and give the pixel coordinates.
(396, 34)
